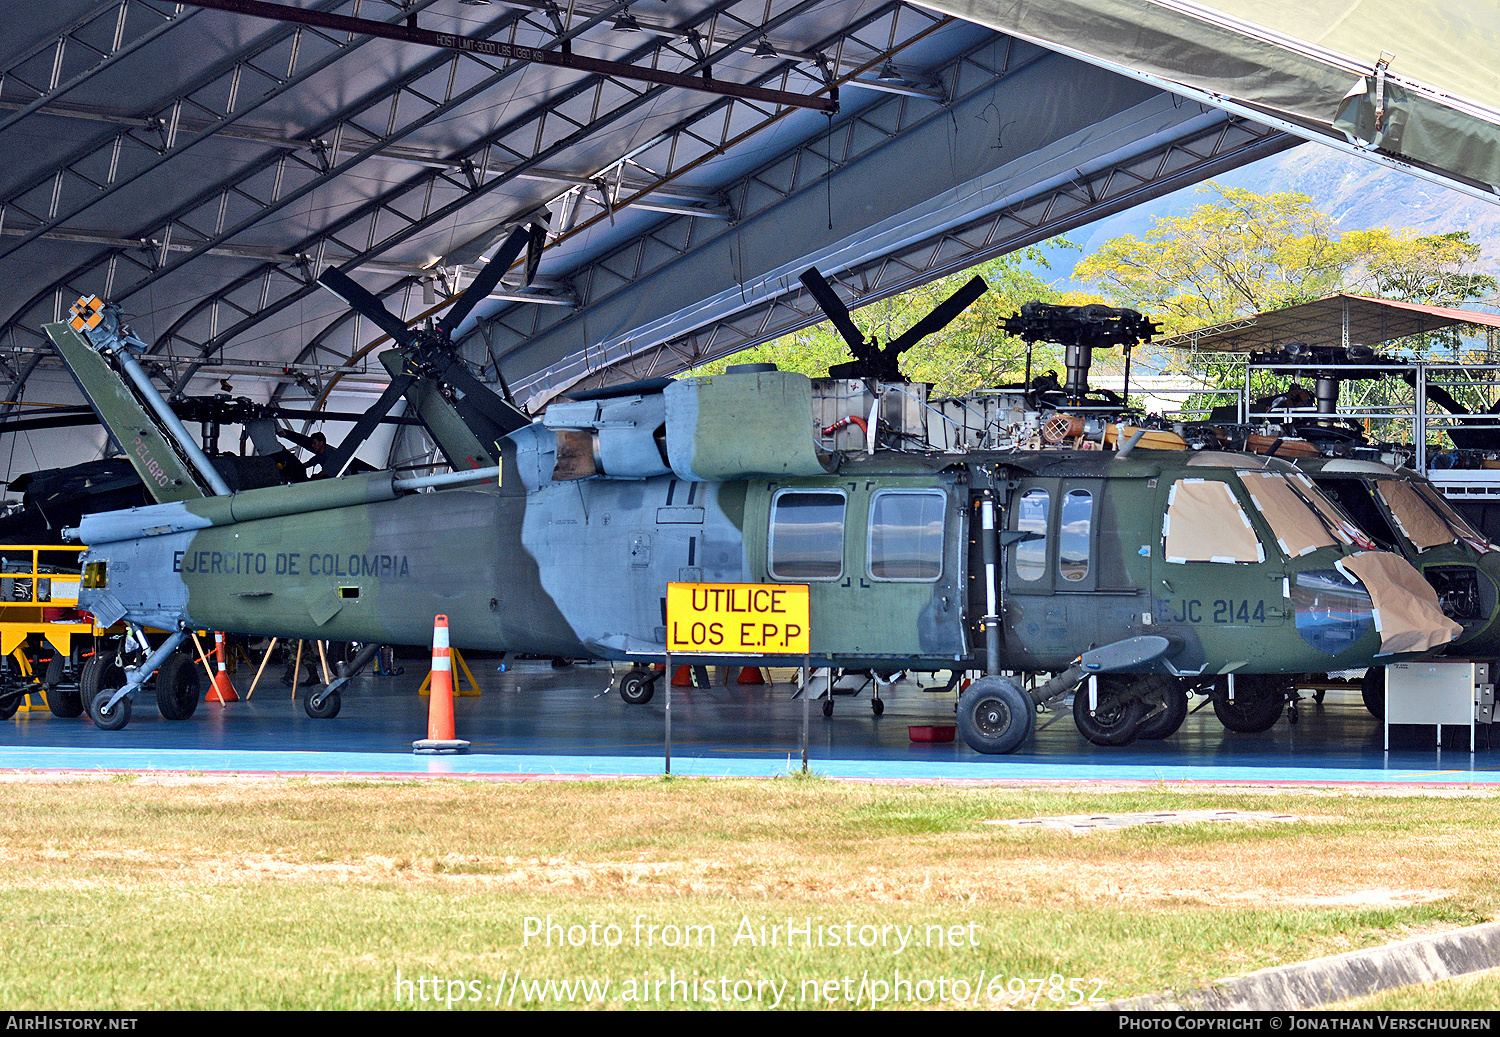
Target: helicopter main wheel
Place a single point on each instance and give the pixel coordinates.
(1258, 702)
(828, 707)
(1164, 722)
(178, 687)
(877, 707)
(102, 676)
(1372, 690)
(10, 705)
(322, 705)
(1117, 720)
(637, 688)
(995, 716)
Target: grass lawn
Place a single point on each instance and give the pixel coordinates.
(158, 892)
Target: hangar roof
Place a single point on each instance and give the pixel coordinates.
(201, 167)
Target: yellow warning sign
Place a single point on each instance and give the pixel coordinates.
(737, 618)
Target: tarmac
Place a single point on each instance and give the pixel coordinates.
(532, 720)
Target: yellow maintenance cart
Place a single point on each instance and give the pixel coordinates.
(44, 639)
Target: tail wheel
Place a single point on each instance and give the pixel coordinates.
(107, 717)
(995, 716)
(1258, 703)
(637, 688)
(322, 705)
(1116, 720)
(102, 676)
(178, 687)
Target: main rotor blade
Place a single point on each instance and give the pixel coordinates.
(366, 304)
(941, 317)
(823, 293)
(486, 281)
(338, 457)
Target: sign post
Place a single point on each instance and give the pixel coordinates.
(718, 619)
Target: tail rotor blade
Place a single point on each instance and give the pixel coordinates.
(485, 283)
(941, 317)
(823, 293)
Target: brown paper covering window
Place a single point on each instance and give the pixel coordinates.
(1297, 529)
(1409, 616)
(1205, 523)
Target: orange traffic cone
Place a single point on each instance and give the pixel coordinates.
(440, 736)
(222, 689)
(750, 675)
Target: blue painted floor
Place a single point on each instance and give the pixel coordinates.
(532, 720)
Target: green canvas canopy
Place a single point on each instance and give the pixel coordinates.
(1413, 80)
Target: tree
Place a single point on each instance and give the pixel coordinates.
(972, 352)
(1247, 253)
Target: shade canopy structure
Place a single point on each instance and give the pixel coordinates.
(201, 166)
(1339, 320)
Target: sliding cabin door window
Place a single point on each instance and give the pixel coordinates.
(1074, 532)
(1032, 513)
(807, 535)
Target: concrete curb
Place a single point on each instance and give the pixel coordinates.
(1324, 981)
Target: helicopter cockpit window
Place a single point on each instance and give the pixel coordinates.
(1340, 524)
(1031, 517)
(1205, 523)
(1073, 534)
(1297, 527)
(1460, 525)
(906, 535)
(807, 535)
(1356, 497)
(1423, 527)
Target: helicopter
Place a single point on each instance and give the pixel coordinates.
(925, 543)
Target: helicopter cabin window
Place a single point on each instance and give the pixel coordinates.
(906, 535)
(1355, 497)
(1031, 517)
(1205, 523)
(807, 535)
(1340, 524)
(1073, 535)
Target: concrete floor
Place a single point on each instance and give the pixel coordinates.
(532, 720)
